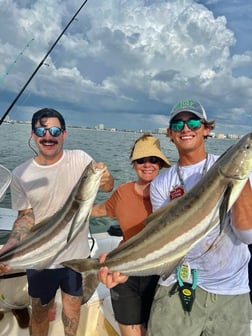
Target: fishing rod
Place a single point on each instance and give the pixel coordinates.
(13, 63)
(41, 63)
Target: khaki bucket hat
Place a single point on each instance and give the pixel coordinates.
(147, 146)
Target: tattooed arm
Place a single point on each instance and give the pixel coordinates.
(21, 228)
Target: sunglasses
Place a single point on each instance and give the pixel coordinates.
(179, 124)
(151, 159)
(41, 131)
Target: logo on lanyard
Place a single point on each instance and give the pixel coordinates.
(176, 192)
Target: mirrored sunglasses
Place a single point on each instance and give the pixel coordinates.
(41, 131)
(179, 124)
(151, 159)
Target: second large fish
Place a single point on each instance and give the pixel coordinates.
(174, 229)
(52, 235)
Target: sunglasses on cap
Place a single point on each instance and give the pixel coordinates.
(178, 125)
(151, 159)
(41, 131)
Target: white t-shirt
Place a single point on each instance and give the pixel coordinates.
(222, 269)
(45, 189)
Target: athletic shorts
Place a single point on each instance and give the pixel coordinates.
(44, 284)
(132, 300)
(211, 315)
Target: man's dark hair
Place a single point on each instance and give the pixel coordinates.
(47, 113)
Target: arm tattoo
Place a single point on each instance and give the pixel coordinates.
(22, 225)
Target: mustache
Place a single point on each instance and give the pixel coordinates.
(50, 141)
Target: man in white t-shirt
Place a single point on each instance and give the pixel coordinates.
(208, 294)
(39, 188)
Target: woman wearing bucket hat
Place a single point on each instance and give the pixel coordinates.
(130, 204)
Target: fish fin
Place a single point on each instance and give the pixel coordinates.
(87, 268)
(169, 268)
(159, 212)
(89, 284)
(36, 227)
(224, 205)
(72, 227)
(82, 265)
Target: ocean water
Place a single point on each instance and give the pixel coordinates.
(113, 148)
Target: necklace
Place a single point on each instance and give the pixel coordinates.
(182, 182)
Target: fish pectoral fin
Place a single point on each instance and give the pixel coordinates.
(70, 233)
(224, 205)
(89, 284)
(36, 227)
(169, 268)
(69, 236)
(159, 212)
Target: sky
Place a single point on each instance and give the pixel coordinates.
(124, 63)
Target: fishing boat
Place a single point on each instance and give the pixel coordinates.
(97, 317)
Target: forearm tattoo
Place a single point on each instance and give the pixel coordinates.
(22, 225)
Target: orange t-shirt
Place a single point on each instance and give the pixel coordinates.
(130, 209)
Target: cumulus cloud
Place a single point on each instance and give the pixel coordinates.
(126, 57)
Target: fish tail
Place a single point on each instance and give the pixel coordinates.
(89, 284)
(88, 269)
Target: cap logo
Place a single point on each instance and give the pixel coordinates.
(187, 103)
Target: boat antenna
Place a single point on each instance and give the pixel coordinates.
(41, 63)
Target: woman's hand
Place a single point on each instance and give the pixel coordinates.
(109, 279)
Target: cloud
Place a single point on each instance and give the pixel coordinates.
(128, 60)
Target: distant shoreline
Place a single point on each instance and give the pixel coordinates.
(221, 136)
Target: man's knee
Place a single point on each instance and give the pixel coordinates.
(39, 311)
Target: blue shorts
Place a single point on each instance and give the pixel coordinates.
(45, 283)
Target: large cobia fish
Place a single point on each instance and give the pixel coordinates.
(174, 229)
(52, 235)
